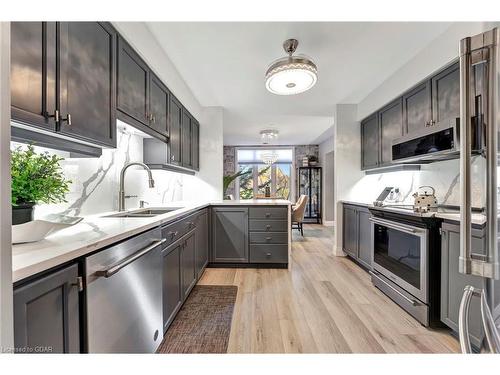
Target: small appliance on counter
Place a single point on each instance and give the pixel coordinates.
(425, 201)
(388, 195)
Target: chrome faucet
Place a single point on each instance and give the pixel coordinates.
(121, 200)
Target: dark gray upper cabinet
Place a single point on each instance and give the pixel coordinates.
(87, 81)
(202, 244)
(391, 128)
(230, 235)
(195, 144)
(158, 108)
(370, 139)
(446, 95)
(172, 290)
(453, 282)
(46, 313)
(33, 73)
(417, 108)
(188, 266)
(174, 126)
(186, 134)
(133, 84)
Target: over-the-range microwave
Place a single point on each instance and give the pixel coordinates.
(435, 142)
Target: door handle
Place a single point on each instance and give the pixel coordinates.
(132, 258)
(67, 119)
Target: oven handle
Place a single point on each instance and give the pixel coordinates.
(392, 225)
(132, 258)
(409, 300)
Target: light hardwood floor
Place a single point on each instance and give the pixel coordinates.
(321, 304)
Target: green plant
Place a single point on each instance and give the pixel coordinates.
(37, 178)
(231, 177)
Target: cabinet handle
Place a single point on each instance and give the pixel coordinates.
(427, 124)
(268, 214)
(55, 115)
(172, 157)
(154, 119)
(269, 238)
(268, 226)
(67, 119)
(173, 234)
(268, 255)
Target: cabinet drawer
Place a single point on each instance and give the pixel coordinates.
(176, 230)
(268, 253)
(268, 225)
(269, 237)
(276, 213)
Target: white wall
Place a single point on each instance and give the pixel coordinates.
(326, 147)
(207, 184)
(6, 319)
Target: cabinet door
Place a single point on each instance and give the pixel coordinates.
(364, 237)
(33, 73)
(446, 95)
(391, 128)
(453, 283)
(87, 81)
(417, 108)
(350, 231)
(186, 140)
(230, 234)
(188, 266)
(133, 81)
(201, 243)
(195, 144)
(46, 313)
(172, 290)
(175, 124)
(370, 142)
(158, 105)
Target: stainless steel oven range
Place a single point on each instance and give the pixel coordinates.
(406, 256)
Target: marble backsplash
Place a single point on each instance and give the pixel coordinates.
(442, 176)
(95, 181)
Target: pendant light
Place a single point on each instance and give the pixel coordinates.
(291, 75)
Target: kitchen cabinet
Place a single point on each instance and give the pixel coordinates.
(188, 266)
(87, 56)
(417, 108)
(186, 140)
(46, 313)
(158, 105)
(202, 244)
(33, 73)
(370, 142)
(172, 290)
(63, 79)
(195, 144)
(229, 235)
(453, 282)
(391, 128)
(175, 126)
(446, 95)
(357, 234)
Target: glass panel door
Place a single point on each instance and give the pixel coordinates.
(315, 192)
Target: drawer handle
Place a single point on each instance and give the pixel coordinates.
(268, 226)
(268, 214)
(173, 234)
(268, 255)
(269, 238)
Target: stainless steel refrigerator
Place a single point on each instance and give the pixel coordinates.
(480, 120)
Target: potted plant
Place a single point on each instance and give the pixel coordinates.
(36, 178)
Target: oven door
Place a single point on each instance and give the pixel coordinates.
(400, 254)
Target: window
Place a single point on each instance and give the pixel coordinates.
(259, 177)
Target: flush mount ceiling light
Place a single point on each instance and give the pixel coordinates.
(292, 74)
(268, 135)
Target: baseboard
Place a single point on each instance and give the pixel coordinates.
(328, 223)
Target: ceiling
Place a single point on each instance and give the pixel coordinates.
(224, 65)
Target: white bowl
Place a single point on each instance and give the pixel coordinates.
(37, 230)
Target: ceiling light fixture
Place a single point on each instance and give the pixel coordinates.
(269, 157)
(268, 135)
(292, 74)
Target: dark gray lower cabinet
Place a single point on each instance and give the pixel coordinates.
(202, 244)
(46, 313)
(453, 282)
(356, 234)
(172, 292)
(188, 267)
(230, 235)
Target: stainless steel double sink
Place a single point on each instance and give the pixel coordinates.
(146, 212)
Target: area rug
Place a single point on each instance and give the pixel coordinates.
(203, 324)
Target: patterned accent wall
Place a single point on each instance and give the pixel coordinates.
(305, 150)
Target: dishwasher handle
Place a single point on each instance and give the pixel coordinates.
(132, 258)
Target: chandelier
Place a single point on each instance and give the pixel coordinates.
(268, 135)
(269, 157)
(291, 75)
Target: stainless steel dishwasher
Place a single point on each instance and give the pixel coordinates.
(124, 296)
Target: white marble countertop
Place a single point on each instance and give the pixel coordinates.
(96, 232)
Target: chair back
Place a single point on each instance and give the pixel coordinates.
(299, 209)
